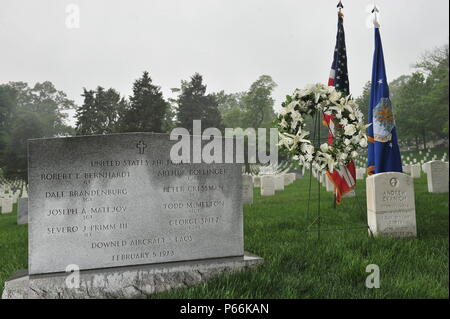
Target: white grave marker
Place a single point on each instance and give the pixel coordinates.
(437, 176)
(390, 205)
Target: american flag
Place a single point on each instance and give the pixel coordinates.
(339, 73)
(343, 178)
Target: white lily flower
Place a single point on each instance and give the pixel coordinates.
(316, 98)
(356, 139)
(308, 157)
(307, 148)
(343, 122)
(363, 142)
(296, 117)
(335, 96)
(359, 115)
(324, 147)
(349, 129)
(348, 108)
(284, 140)
(330, 162)
(296, 139)
(289, 108)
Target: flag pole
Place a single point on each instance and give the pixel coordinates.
(340, 6)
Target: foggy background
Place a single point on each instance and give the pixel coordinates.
(230, 42)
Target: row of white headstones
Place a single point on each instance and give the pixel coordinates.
(437, 179)
(10, 193)
(423, 158)
(267, 183)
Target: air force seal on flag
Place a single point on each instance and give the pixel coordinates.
(383, 121)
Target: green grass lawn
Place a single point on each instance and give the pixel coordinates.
(13, 246)
(299, 265)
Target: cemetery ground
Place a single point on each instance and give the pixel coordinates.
(299, 265)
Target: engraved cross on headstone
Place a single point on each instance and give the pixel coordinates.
(141, 146)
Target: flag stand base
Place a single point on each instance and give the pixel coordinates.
(317, 224)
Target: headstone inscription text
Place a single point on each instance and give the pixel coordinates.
(391, 205)
(117, 200)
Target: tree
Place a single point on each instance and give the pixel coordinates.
(363, 100)
(438, 98)
(26, 125)
(169, 118)
(258, 103)
(8, 97)
(250, 109)
(435, 65)
(147, 108)
(422, 99)
(410, 108)
(234, 117)
(48, 102)
(29, 112)
(86, 114)
(101, 112)
(231, 108)
(194, 104)
(436, 60)
(395, 87)
(227, 101)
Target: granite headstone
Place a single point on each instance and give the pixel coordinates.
(247, 189)
(119, 200)
(267, 185)
(22, 211)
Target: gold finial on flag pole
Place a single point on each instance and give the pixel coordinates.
(340, 6)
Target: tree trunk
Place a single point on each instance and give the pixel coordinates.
(424, 139)
(417, 142)
(247, 167)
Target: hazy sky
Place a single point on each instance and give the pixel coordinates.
(229, 42)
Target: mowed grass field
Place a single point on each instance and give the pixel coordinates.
(297, 264)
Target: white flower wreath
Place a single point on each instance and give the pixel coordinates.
(349, 133)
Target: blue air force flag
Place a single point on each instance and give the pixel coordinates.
(383, 150)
